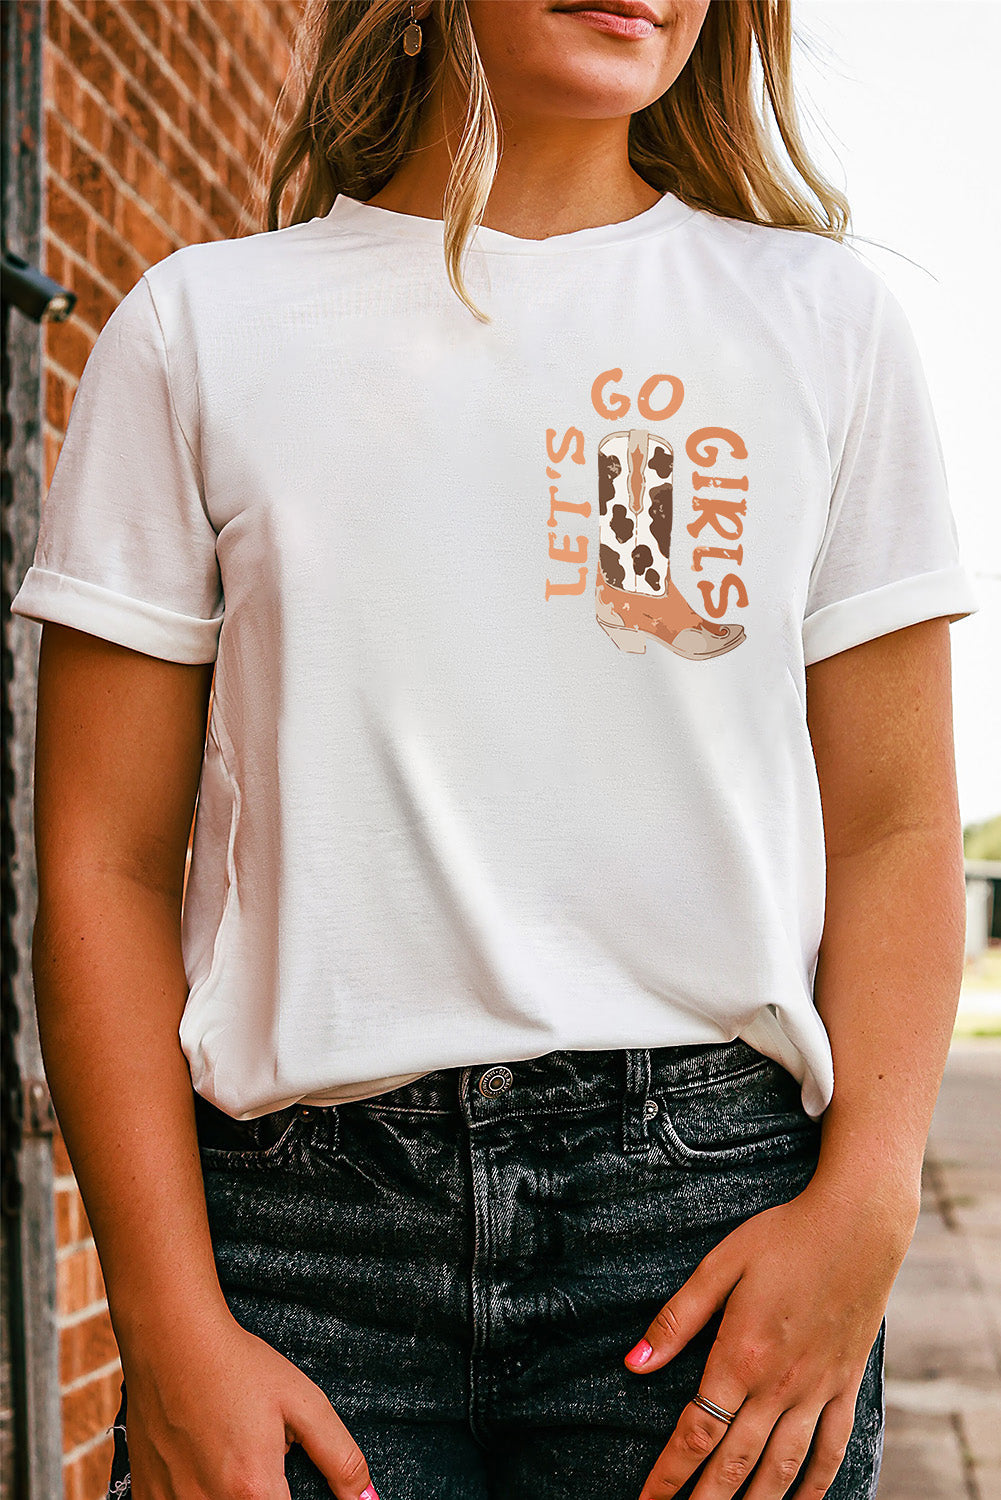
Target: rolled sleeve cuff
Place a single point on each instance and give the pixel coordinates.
(135, 623)
(849, 622)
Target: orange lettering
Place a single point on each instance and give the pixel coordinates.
(717, 482)
(584, 509)
(714, 511)
(660, 414)
(707, 455)
(566, 553)
(572, 435)
(716, 610)
(567, 588)
(735, 554)
(616, 405)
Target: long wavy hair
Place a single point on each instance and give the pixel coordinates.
(354, 102)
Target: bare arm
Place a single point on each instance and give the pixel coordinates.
(891, 960)
(211, 1408)
(120, 738)
(804, 1285)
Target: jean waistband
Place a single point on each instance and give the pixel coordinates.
(554, 1084)
(567, 1082)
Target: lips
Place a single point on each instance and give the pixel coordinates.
(628, 9)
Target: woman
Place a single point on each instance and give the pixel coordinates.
(533, 1096)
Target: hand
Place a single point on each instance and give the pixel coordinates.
(213, 1417)
(805, 1286)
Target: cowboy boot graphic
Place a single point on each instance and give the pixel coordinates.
(634, 595)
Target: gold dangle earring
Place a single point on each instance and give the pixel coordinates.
(413, 36)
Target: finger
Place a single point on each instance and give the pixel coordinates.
(786, 1453)
(681, 1317)
(830, 1444)
(314, 1423)
(695, 1439)
(731, 1374)
(735, 1457)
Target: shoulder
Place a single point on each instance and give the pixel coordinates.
(797, 271)
(818, 301)
(225, 274)
(194, 311)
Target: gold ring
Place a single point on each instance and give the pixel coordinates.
(713, 1409)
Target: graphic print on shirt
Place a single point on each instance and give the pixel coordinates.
(636, 587)
(635, 596)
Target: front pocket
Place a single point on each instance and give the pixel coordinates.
(747, 1115)
(225, 1141)
(248, 1155)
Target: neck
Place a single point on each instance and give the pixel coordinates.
(555, 175)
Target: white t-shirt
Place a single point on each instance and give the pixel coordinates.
(479, 783)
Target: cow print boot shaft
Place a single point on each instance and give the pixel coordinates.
(634, 594)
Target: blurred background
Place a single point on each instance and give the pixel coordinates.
(900, 104)
(132, 127)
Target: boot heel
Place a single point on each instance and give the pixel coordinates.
(625, 639)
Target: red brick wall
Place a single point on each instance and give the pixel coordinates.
(155, 111)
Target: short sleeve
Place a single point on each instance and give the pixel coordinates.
(890, 555)
(126, 549)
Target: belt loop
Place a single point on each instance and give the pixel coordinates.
(634, 1117)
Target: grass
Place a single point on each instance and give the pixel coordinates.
(984, 972)
(981, 978)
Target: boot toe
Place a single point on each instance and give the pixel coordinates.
(696, 644)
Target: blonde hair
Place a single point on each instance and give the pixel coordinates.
(709, 139)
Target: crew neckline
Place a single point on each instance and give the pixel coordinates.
(372, 218)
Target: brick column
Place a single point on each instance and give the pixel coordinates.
(155, 111)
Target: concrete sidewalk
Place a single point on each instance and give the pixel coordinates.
(943, 1360)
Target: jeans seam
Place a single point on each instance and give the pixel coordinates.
(401, 1109)
(635, 1127)
(252, 1151)
(700, 1086)
(479, 1310)
(710, 1156)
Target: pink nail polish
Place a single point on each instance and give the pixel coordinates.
(641, 1353)
(368, 1493)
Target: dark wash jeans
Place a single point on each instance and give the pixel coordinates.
(461, 1263)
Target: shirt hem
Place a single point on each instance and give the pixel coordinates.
(135, 623)
(666, 214)
(850, 622)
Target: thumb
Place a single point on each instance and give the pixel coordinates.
(680, 1319)
(311, 1421)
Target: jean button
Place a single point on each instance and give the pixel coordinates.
(650, 1108)
(495, 1081)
